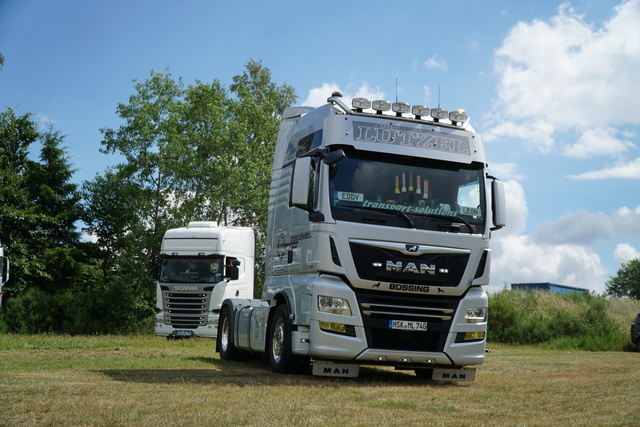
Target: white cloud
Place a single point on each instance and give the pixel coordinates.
(625, 253)
(586, 227)
(624, 170)
(435, 63)
(520, 259)
(318, 96)
(505, 171)
(562, 251)
(536, 133)
(598, 141)
(566, 74)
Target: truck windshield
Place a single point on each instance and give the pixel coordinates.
(408, 192)
(191, 270)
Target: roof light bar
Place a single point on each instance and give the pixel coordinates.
(457, 117)
(381, 105)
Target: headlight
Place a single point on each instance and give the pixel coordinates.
(475, 315)
(333, 305)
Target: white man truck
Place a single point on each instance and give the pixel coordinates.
(200, 266)
(4, 270)
(377, 244)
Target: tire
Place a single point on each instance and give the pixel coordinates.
(281, 357)
(638, 344)
(224, 341)
(424, 373)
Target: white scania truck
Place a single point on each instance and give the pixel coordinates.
(4, 270)
(199, 267)
(377, 244)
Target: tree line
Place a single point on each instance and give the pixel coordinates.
(199, 152)
(190, 153)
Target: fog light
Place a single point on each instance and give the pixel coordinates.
(333, 327)
(469, 336)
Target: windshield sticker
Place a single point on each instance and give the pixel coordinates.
(356, 200)
(388, 133)
(466, 210)
(344, 196)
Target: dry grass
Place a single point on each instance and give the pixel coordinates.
(113, 381)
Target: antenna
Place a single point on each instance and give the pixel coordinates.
(396, 89)
(438, 96)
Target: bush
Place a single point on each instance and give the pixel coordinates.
(559, 321)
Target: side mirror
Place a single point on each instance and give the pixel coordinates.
(232, 271)
(300, 183)
(498, 205)
(334, 157)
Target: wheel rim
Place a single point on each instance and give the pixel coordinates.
(224, 334)
(277, 340)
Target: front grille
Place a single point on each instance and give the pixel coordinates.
(378, 308)
(185, 309)
(392, 262)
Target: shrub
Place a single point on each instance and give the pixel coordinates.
(559, 321)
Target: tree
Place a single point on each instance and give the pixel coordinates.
(626, 282)
(202, 152)
(40, 208)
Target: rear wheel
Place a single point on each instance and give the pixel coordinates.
(225, 345)
(281, 357)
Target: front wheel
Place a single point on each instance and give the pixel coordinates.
(281, 356)
(224, 342)
(424, 373)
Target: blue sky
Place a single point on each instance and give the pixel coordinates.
(552, 86)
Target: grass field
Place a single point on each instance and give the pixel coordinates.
(149, 381)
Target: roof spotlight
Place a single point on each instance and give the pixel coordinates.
(381, 105)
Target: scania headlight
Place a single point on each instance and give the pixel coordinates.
(475, 315)
(333, 305)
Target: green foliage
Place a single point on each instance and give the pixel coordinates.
(626, 283)
(559, 321)
(196, 153)
(40, 208)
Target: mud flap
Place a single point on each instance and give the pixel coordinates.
(460, 374)
(330, 369)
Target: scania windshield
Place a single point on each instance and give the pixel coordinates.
(191, 270)
(408, 192)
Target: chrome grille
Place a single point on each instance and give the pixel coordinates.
(185, 309)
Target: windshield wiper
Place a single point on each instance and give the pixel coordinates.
(390, 212)
(453, 218)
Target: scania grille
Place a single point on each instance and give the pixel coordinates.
(379, 308)
(185, 310)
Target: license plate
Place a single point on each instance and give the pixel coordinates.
(181, 333)
(407, 325)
